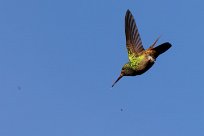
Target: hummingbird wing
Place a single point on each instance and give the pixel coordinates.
(133, 40)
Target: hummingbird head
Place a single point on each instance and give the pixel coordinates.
(125, 71)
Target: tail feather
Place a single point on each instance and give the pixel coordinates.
(162, 48)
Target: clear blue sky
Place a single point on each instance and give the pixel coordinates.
(58, 60)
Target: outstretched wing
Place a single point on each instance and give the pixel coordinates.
(133, 40)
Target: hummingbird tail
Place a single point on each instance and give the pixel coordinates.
(162, 48)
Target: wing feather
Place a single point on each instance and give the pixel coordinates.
(133, 40)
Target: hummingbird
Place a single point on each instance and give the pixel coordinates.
(140, 60)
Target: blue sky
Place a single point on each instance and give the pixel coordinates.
(58, 60)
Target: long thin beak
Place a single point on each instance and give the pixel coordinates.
(117, 79)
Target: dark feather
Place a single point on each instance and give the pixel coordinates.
(133, 40)
(162, 48)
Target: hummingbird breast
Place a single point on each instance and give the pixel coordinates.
(142, 65)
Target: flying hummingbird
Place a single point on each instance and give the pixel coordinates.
(140, 60)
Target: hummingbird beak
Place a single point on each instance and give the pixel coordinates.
(117, 79)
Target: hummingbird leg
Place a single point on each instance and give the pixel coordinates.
(151, 59)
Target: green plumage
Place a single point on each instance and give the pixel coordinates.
(140, 60)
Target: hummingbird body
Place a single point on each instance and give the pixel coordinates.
(140, 64)
(140, 60)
